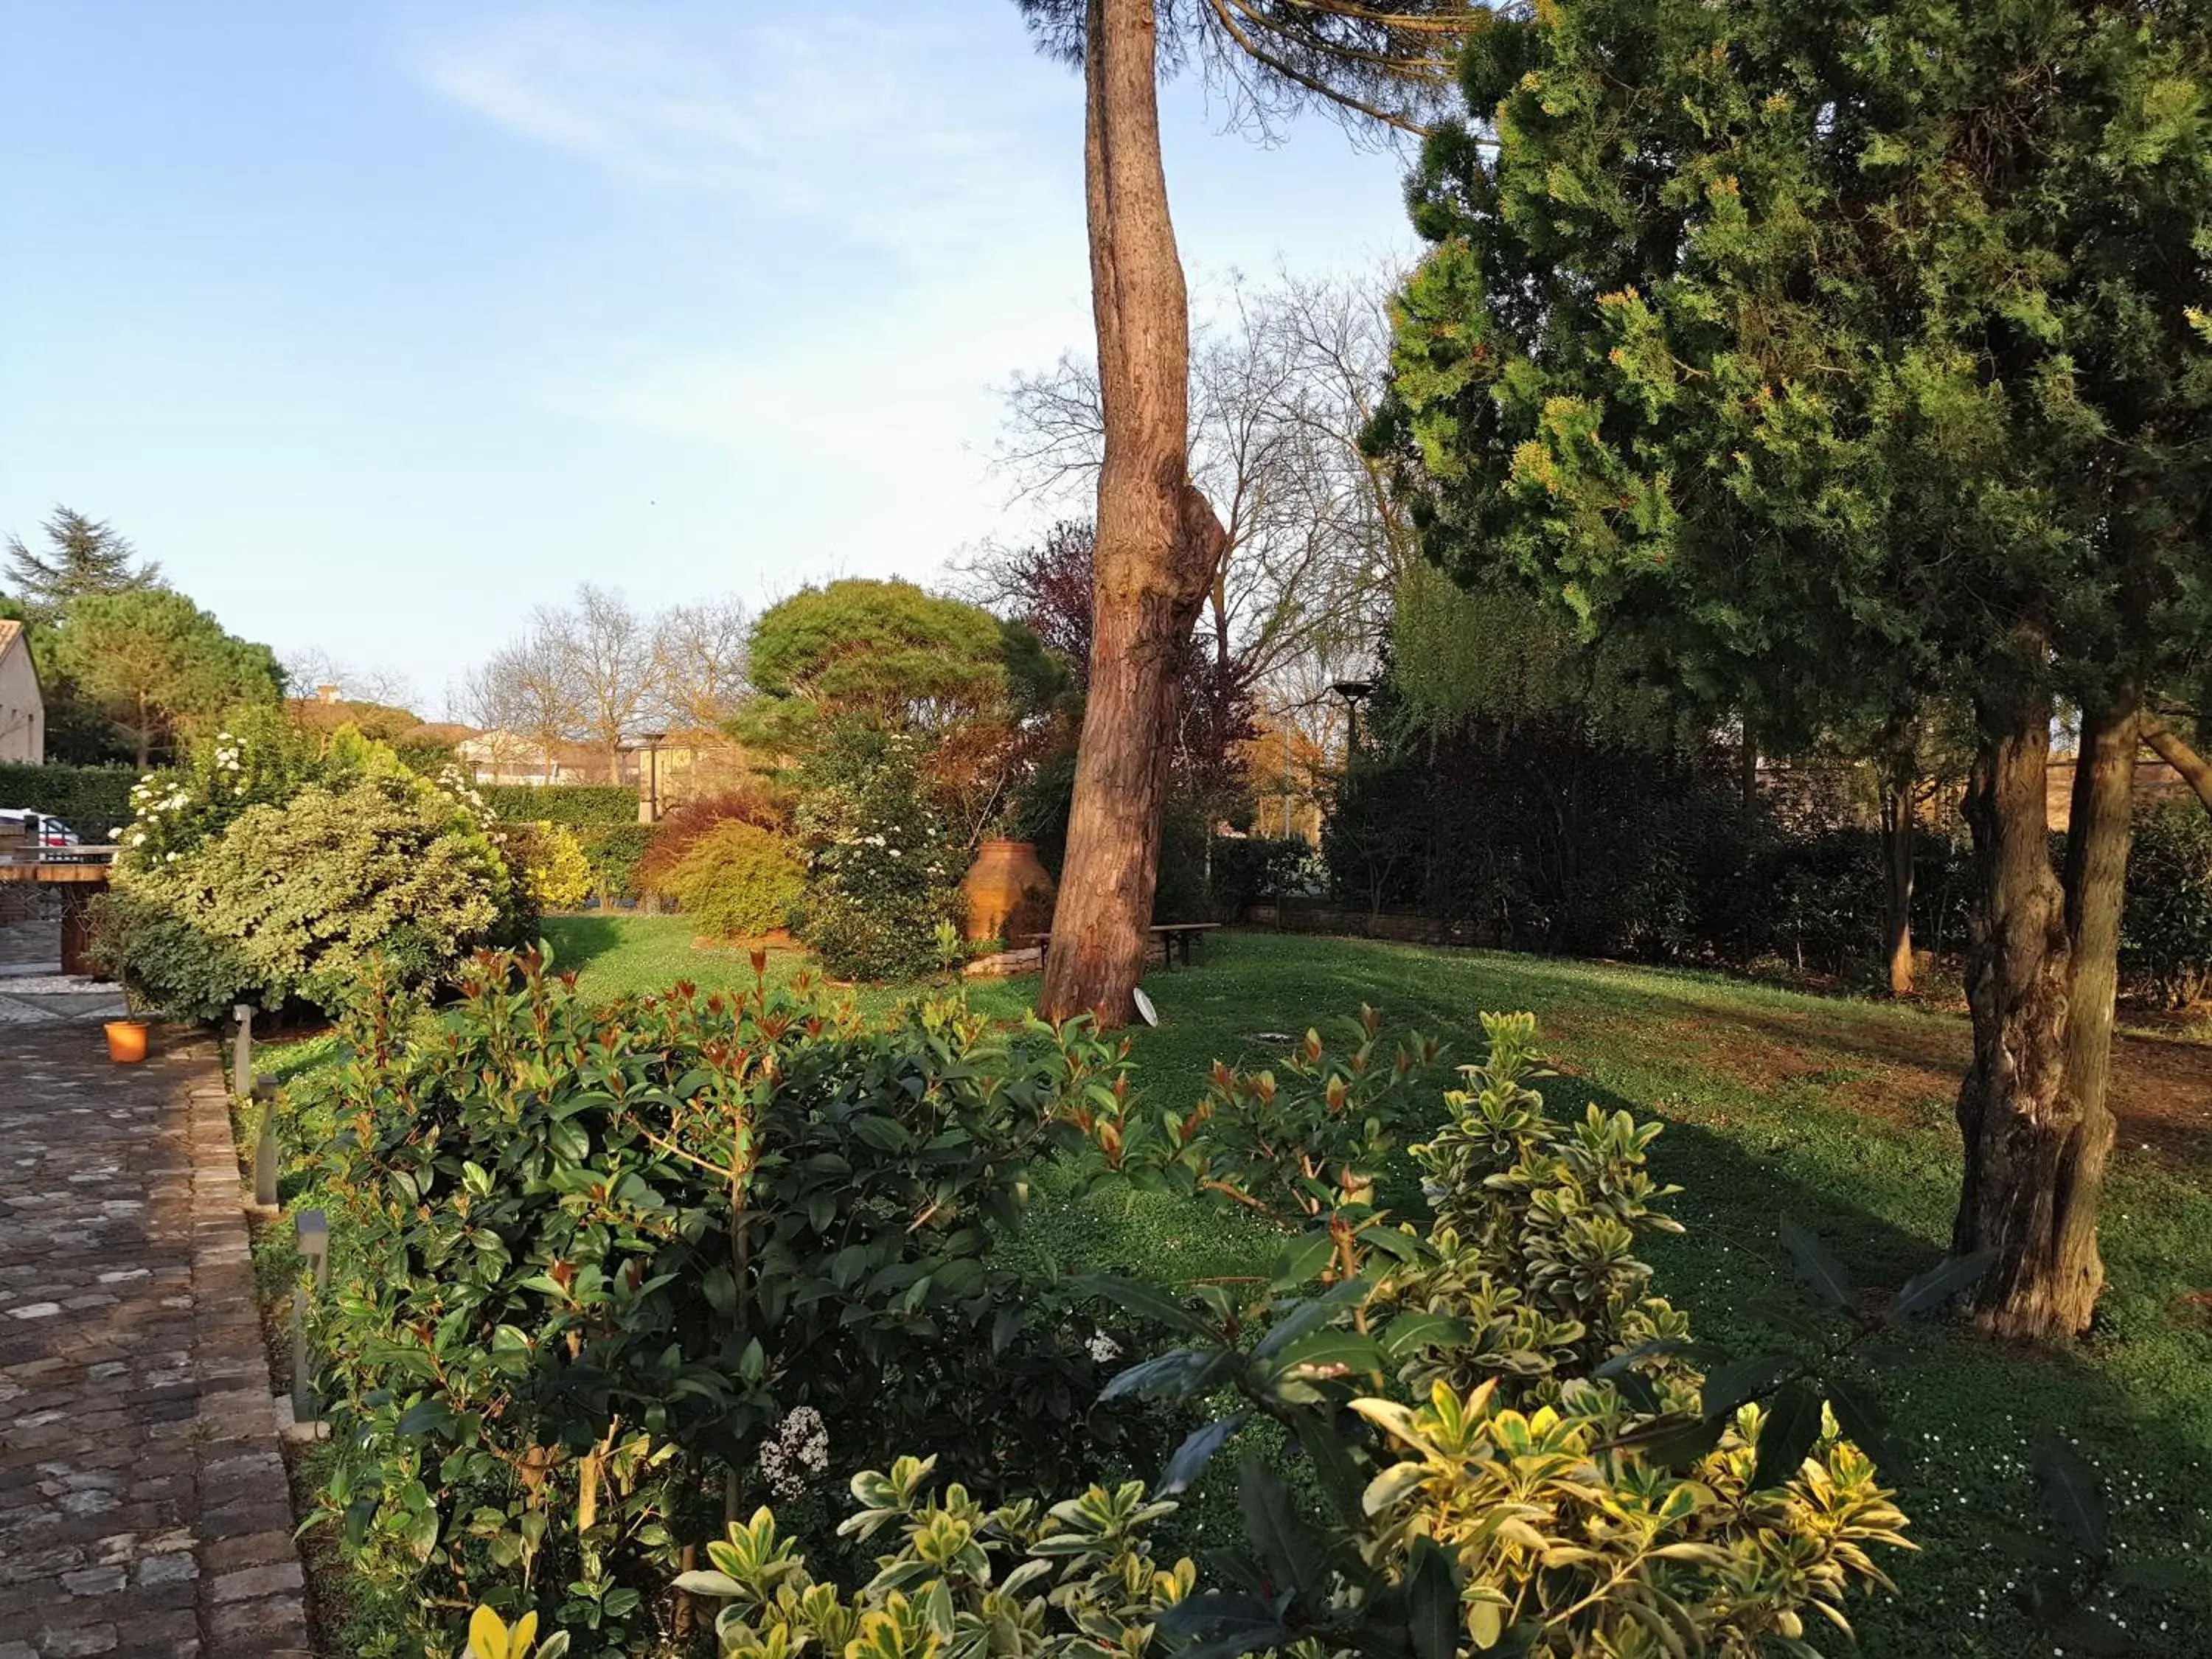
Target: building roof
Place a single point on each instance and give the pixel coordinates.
(12, 632)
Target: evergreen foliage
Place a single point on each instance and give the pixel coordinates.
(82, 555)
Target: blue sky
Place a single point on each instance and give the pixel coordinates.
(380, 324)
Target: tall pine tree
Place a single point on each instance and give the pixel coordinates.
(82, 555)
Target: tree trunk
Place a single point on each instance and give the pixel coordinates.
(1158, 542)
(144, 734)
(2196, 771)
(1747, 770)
(1897, 882)
(2034, 1153)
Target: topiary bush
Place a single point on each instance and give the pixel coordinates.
(737, 881)
(294, 903)
(2165, 930)
(684, 823)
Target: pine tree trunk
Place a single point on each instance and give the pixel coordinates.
(2033, 1155)
(1897, 883)
(1157, 541)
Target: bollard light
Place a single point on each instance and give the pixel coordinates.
(312, 1232)
(241, 1052)
(265, 1148)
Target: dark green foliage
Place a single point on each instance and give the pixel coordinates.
(1252, 868)
(2165, 934)
(93, 799)
(571, 805)
(614, 852)
(882, 899)
(884, 654)
(159, 667)
(1589, 844)
(81, 556)
(615, 1247)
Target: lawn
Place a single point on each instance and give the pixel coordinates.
(1833, 1112)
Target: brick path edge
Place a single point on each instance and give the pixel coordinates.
(145, 1511)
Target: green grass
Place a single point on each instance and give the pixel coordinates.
(1833, 1112)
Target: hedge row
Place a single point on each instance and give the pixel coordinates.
(94, 799)
(572, 806)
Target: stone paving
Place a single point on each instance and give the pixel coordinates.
(143, 1501)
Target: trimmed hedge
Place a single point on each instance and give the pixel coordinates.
(94, 799)
(571, 805)
(613, 851)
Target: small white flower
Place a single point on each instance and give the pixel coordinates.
(1104, 1348)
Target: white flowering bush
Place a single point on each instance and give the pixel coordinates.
(882, 899)
(259, 761)
(294, 901)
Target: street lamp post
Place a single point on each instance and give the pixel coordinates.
(1354, 692)
(652, 742)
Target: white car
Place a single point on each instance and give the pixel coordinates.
(25, 828)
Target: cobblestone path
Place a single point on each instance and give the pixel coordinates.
(142, 1505)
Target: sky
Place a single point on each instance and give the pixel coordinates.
(380, 324)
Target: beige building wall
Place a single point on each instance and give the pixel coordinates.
(22, 709)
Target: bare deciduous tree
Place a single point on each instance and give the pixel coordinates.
(1282, 384)
(527, 692)
(607, 651)
(699, 650)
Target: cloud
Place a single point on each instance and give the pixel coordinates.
(848, 120)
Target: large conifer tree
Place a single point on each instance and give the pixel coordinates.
(1819, 348)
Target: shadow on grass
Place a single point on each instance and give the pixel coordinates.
(580, 940)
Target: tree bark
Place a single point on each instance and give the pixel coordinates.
(1897, 882)
(2196, 771)
(1158, 542)
(2035, 1143)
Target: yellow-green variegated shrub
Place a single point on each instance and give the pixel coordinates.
(1010, 1583)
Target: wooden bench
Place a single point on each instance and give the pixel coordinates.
(1169, 934)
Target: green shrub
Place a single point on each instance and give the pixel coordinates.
(294, 903)
(1491, 1418)
(95, 800)
(1251, 869)
(572, 806)
(881, 883)
(737, 881)
(596, 1261)
(614, 851)
(685, 822)
(549, 862)
(2165, 930)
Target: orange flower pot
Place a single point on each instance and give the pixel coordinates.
(126, 1041)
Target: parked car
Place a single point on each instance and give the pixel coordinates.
(21, 827)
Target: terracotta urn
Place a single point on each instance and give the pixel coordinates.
(1009, 895)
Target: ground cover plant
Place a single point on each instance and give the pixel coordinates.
(1835, 1113)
